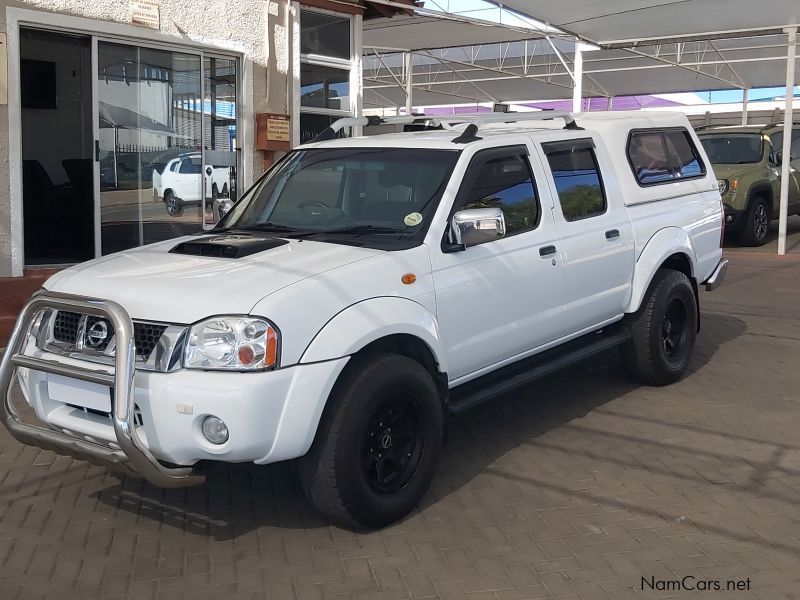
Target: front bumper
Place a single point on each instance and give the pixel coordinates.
(154, 428)
(734, 218)
(717, 275)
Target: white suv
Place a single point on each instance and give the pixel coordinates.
(364, 288)
(180, 182)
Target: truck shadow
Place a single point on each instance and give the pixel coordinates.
(238, 499)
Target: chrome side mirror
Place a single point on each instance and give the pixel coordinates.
(477, 225)
(220, 207)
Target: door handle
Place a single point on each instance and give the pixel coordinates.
(547, 250)
(612, 234)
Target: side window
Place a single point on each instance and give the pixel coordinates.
(658, 156)
(190, 167)
(794, 149)
(504, 182)
(649, 157)
(577, 178)
(174, 166)
(685, 154)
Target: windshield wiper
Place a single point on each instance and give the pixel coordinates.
(288, 231)
(359, 229)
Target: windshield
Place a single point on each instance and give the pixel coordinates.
(733, 148)
(373, 194)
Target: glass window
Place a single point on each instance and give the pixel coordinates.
(324, 35)
(578, 182)
(777, 145)
(649, 158)
(506, 183)
(324, 87)
(733, 148)
(311, 126)
(685, 158)
(190, 166)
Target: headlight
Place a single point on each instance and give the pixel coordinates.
(232, 343)
(723, 186)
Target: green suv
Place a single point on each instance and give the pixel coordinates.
(747, 161)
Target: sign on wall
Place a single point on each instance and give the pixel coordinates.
(273, 131)
(144, 13)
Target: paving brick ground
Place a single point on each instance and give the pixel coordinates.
(575, 487)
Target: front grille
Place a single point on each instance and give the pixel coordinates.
(65, 327)
(145, 335)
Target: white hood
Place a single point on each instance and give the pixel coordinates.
(152, 284)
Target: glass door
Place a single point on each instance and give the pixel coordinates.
(57, 149)
(149, 107)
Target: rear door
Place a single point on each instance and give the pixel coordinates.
(596, 246)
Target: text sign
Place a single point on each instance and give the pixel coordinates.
(144, 13)
(278, 129)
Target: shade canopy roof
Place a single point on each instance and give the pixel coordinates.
(626, 20)
(533, 71)
(422, 31)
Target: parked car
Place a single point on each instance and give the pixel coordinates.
(179, 184)
(363, 289)
(747, 161)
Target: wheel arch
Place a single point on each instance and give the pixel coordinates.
(669, 248)
(387, 322)
(762, 189)
(380, 325)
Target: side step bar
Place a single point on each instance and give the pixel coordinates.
(477, 391)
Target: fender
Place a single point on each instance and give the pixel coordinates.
(366, 321)
(760, 188)
(664, 243)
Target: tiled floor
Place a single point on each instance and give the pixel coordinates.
(578, 486)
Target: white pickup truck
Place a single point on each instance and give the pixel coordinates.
(365, 287)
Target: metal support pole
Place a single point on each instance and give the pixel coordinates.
(577, 76)
(791, 34)
(745, 99)
(409, 83)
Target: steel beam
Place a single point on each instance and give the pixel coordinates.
(786, 155)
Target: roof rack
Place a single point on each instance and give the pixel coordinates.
(333, 130)
(473, 122)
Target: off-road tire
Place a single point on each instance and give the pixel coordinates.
(333, 473)
(755, 231)
(646, 356)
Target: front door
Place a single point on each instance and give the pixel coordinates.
(502, 298)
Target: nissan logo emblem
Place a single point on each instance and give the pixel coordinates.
(96, 334)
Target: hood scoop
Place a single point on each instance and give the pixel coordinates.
(228, 246)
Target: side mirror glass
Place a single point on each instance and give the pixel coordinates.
(777, 157)
(477, 225)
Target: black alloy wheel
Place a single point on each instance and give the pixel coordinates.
(393, 444)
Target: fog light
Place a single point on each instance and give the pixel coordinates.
(215, 430)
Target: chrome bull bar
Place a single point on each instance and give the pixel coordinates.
(132, 457)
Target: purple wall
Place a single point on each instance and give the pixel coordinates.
(620, 103)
